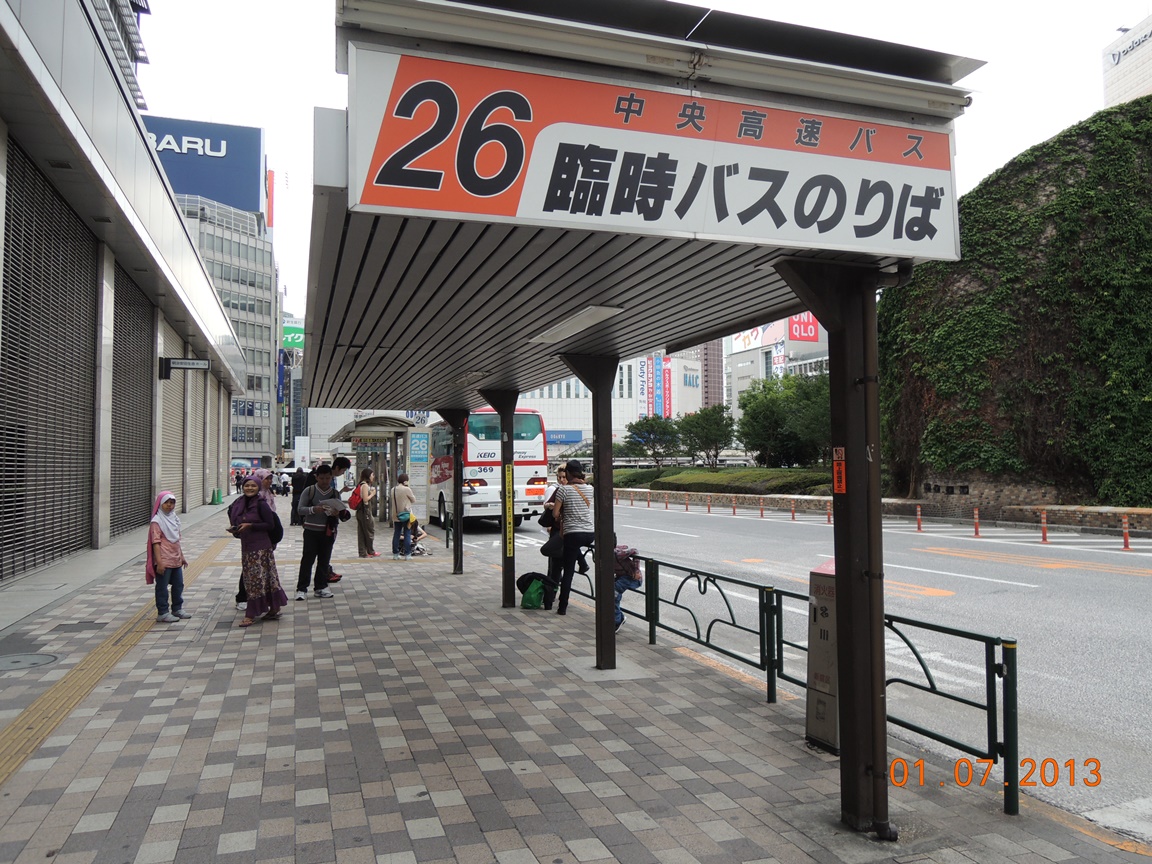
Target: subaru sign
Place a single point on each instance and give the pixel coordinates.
(213, 160)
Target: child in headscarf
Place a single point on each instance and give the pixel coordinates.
(165, 559)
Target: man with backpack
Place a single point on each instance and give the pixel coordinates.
(322, 510)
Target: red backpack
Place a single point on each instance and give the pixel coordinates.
(354, 500)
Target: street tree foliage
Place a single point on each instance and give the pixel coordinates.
(785, 421)
(1031, 357)
(707, 433)
(658, 438)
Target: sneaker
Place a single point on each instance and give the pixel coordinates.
(395, 557)
(335, 577)
(301, 595)
(407, 557)
(373, 554)
(167, 618)
(621, 624)
(324, 592)
(180, 613)
(240, 607)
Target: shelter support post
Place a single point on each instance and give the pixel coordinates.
(456, 418)
(599, 375)
(843, 298)
(504, 402)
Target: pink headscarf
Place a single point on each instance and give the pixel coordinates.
(266, 495)
(168, 524)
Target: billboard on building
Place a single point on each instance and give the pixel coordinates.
(609, 155)
(804, 328)
(292, 335)
(213, 160)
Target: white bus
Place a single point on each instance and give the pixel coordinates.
(481, 480)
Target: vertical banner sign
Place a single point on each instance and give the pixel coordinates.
(302, 450)
(667, 386)
(419, 460)
(651, 389)
(804, 328)
(779, 360)
(642, 389)
(280, 376)
(509, 490)
(658, 386)
(839, 472)
(437, 135)
(823, 719)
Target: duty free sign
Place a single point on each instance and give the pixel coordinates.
(431, 136)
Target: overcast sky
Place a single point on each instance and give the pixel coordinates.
(266, 63)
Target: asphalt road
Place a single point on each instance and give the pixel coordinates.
(1079, 608)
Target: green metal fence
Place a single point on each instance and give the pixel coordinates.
(672, 603)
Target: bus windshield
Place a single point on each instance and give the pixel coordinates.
(486, 427)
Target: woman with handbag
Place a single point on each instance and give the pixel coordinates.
(553, 548)
(403, 502)
(254, 522)
(575, 509)
(365, 527)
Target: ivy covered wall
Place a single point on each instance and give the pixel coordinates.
(1031, 357)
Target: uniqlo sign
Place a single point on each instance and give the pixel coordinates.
(432, 136)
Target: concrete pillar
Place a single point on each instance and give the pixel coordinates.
(456, 418)
(105, 335)
(157, 403)
(599, 376)
(843, 297)
(504, 401)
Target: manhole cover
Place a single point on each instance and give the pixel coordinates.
(8, 662)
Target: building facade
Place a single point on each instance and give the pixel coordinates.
(794, 346)
(218, 173)
(238, 253)
(100, 281)
(1128, 65)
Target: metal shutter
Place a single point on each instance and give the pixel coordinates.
(47, 373)
(133, 368)
(196, 433)
(172, 419)
(212, 457)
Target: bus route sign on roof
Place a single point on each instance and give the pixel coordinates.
(433, 136)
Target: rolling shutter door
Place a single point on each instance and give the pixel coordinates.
(196, 432)
(47, 372)
(172, 419)
(133, 367)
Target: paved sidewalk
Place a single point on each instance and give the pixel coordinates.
(411, 719)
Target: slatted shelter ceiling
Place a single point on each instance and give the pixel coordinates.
(422, 312)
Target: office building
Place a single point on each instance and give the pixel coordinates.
(1128, 65)
(793, 346)
(219, 175)
(117, 362)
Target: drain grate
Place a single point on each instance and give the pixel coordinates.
(8, 662)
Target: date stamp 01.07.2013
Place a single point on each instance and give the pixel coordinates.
(965, 772)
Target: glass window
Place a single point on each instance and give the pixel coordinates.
(629, 380)
(568, 389)
(484, 427)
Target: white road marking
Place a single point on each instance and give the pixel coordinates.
(658, 531)
(960, 575)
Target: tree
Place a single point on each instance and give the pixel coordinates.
(786, 421)
(656, 437)
(707, 432)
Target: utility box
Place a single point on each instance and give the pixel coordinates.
(822, 727)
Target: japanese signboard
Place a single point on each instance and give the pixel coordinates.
(434, 136)
(823, 722)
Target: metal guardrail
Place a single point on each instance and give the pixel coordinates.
(771, 641)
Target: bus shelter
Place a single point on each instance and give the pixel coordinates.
(522, 190)
(375, 440)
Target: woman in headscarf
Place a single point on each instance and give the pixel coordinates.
(252, 520)
(265, 478)
(165, 559)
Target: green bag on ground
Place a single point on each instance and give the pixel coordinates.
(534, 596)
